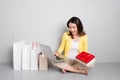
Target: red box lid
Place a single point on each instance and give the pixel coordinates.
(85, 57)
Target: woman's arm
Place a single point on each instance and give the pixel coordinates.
(85, 47)
(61, 47)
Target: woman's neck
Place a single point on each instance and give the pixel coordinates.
(76, 37)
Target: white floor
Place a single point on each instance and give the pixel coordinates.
(108, 71)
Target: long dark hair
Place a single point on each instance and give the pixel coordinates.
(79, 25)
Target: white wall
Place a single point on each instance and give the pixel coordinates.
(45, 21)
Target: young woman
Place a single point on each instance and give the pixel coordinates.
(73, 42)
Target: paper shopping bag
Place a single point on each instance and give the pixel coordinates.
(17, 52)
(43, 62)
(34, 56)
(26, 50)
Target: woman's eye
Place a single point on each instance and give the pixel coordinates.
(73, 27)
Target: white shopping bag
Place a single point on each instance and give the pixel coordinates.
(34, 56)
(17, 46)
(26, 51)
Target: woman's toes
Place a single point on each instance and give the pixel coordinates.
(63, 71)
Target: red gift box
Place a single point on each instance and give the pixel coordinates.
(86, 58)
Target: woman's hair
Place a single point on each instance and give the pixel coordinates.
(79, 25)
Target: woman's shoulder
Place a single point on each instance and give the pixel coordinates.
(84, 36)
(66, 33)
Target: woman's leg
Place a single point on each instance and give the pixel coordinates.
(80, 66)
(74, 69)
(68, 67)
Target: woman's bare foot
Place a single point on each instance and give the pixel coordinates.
(86, 72)
(63, 71)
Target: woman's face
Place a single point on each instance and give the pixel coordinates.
(73, 28)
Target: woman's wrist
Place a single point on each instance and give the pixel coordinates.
(57, 54)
